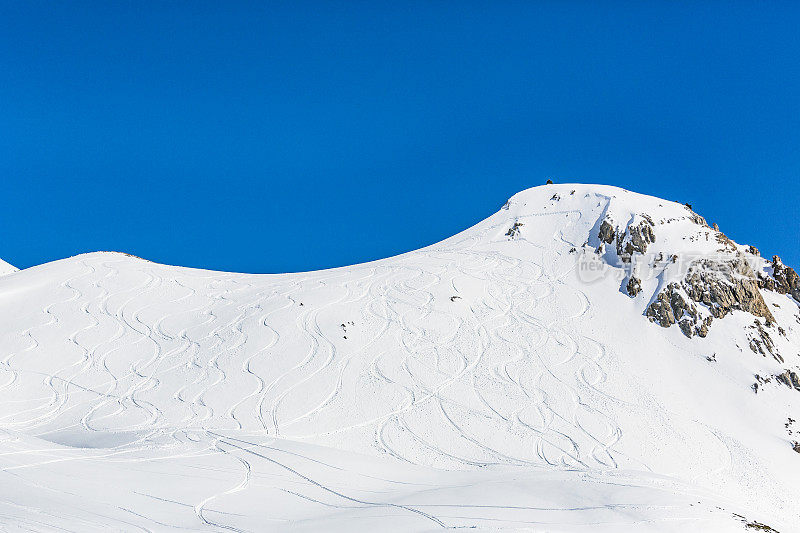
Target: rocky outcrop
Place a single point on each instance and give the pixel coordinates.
(726, 286)
(607, 233)
(694, 217)
(722, 286)
(660, 311)
(514, 230)
(761, 342)
(635, 239)
(634, 286)
(790, 379)
(670, 307)
(786, 279)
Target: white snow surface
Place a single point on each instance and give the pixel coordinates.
(482, 382)
(6, 268)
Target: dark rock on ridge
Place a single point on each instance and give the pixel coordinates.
(790, 379)
(634, 286)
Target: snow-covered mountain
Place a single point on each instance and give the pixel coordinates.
(586, 359)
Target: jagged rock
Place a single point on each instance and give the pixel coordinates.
(766, 282)
(683, 312)
(727, 244)
(761, 342)
(715, 226)
(786, 279)
(660, 311)
(607, 233)
(635, 239)
(725, 286)
(760, 381)
(790, 379)
(634, 286)
(687, 327)
(679, 305)
(514, 230)
(702, 330)
(670, 307)
(753, 250)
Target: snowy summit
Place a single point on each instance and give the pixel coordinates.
(586, 359)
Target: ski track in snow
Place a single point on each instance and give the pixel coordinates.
(458, 356)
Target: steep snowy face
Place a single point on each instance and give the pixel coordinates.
(581, 328)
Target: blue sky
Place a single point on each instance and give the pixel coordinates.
(271, 137)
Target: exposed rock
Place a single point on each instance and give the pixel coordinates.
(722, 286)
(514, 230)
(635, 239)
(725, 286)
(686, 327)
(758, 526)
(634, 286)
(790, 379)
(727, 244)
(607, 233)
(786, 279)
(660, 311)
(761, 342)
(753, 250)
(670, 307)
(760, 381)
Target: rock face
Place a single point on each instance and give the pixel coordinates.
(607, 233)
(720, 278)
(761, 342)
(660, 311)
(634, 286)
(725, 286)
(790, 379)
(784, 279)
(670, 307)
(635, 239)
(722, 286)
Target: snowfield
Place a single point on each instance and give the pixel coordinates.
(504, 378)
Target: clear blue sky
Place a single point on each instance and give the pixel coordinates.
(271, 137)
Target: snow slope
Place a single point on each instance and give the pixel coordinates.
(503, 378)
(5, 268)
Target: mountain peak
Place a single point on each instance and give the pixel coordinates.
(583, 349)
